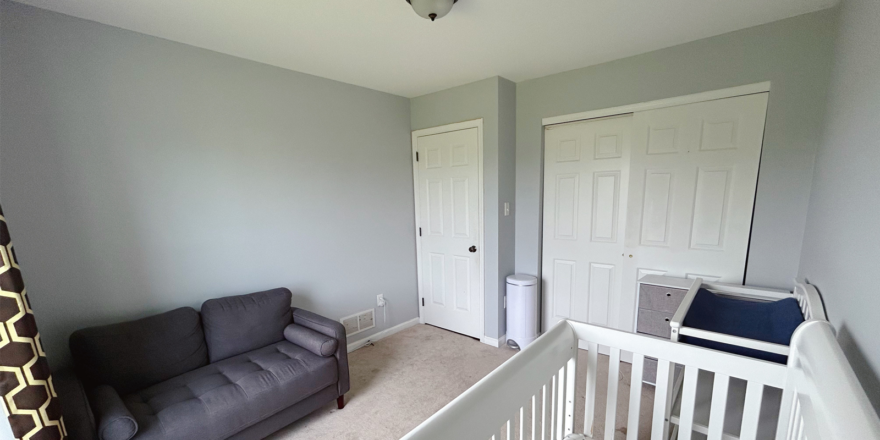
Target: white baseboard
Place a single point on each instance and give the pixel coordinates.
(354, 345)
(497, 343)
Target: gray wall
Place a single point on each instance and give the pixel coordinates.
(484, 99)
(139, 175)
(795, 54)
(842, 241)
(506, 191)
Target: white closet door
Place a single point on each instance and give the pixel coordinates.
(449, 223)
(586, 177)
(694, 171)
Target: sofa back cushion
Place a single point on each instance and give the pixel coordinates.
(238, 324)
(133, 355)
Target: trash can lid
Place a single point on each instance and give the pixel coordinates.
(521, 280)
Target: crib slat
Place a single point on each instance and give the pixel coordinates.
(688, 400)
(785, 413)
(543, 412)
(521, 422)
(560, 397)
(795, 421)
(751, 411)
(635, 397)
(508, 430)
(533, 418)
(661, 391)
(718, 406)
(553, 408)
(590, 396)
(611, 398)
(570, 378)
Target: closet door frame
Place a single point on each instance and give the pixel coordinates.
(731, 92)
(660, 103)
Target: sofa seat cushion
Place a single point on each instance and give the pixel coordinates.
(221, 399)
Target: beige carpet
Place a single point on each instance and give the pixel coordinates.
(403, 379)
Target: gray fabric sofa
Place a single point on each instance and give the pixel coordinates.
(243, 368)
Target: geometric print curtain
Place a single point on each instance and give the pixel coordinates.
(29, 397)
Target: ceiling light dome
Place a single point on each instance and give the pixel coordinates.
(432, 9)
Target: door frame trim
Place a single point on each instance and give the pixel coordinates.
(712, 95)
(416, 134)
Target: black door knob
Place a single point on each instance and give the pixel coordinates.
(472, 249)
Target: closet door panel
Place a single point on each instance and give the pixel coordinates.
(694, 171)
(586, 182)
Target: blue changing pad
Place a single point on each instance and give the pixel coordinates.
(765, 321)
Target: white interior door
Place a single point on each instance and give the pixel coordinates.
(448, 196)
(694, 171)
(586, 179)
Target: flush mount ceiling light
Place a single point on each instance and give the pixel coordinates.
(432, 9)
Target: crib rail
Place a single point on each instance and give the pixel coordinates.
(533, 395)
(809, 301)
(756, 374)
(491, 406)
(823, 398)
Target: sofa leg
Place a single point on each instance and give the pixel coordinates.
(340, 402)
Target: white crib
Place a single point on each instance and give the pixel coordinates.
(811, 308)
(533, 395)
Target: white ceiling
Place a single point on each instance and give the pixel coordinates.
(384, 45)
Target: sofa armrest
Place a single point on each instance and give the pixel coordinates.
(78, 417)
(317, 343)
(115, 422)
(334, 330)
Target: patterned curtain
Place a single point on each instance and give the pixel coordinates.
(29, 397)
